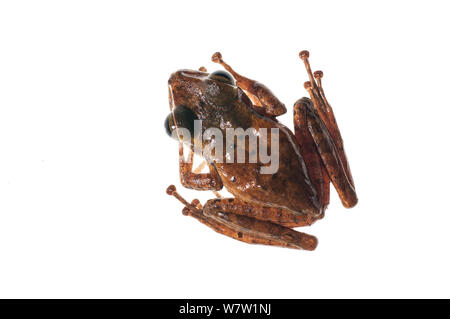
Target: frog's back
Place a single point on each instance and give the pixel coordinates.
(288, 187)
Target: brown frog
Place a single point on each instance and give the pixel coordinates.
(265, 207)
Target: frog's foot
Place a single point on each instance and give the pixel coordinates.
(217, 194)
(192, 178)
(315, 90)
(323, 128)
(259, 94)
(195, 202)
(245, 228)
(323, 108)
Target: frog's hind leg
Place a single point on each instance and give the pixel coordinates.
(316, 170)
(325, 112)
(280, 216)
(311, 127)
(245, 228)
(263, 99)
(328, 153)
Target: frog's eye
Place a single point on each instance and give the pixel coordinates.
(223, 77)
(183, 117)
(170, 125)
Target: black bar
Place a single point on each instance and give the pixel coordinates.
(222, 308)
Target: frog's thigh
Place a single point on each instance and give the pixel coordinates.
(275, 215)
(194, 180)
(252, 230)
(316, 170)
(329, 155)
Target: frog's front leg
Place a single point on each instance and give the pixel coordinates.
(258, 93)
(194, 179)
(232, 220)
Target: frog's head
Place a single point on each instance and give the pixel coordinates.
(197, 95)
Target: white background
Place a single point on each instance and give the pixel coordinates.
(84, 160)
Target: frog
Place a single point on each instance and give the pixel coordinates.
(264, 208)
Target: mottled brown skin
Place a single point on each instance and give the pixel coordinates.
(265, 206)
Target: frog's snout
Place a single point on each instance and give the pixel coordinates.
(186, 76)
